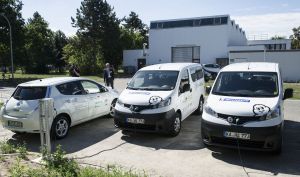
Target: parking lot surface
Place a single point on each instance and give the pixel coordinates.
(99, 143)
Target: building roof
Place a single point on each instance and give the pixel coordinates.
(252, 66)
(50, 81)
(169, 66)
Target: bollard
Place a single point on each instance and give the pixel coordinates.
(46, 117)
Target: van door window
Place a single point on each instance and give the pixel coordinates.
(196, 74)
(184, 79)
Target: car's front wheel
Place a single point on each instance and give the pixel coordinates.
(60, 127)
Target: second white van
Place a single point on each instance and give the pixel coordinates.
(159, 97)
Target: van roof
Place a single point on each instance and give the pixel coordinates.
(50, 81)
(252, 66)
(169, 66)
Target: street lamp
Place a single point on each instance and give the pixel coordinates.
(11, 49)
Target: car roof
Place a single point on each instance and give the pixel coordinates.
(51, 81)
(169, 66)
(252, 66)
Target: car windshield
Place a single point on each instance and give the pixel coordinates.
(153, 80)
(247, 84)
(30, 93)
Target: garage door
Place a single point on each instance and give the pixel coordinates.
(186, 54)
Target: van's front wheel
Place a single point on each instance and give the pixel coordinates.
(175, 126)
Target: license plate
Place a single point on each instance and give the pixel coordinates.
(15, 124)
(135, 121)
(244, 136)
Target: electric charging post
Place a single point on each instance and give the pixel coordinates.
(46, 116)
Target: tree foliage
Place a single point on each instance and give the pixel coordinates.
(99, 33)
(12, 10)
(278, 37)
(39, 45)
(296, 38)
(60, 41)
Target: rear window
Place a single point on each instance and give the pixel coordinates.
(30, 93)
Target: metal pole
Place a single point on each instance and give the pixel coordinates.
(11, 49)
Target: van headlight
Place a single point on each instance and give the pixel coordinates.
(163, 103)
(274, 114)
(210, 111)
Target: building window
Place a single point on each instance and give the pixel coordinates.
(224, 20)
(197, 22)
(207, 21)
(283, 46)
(217, 21)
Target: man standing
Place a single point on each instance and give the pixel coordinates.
(108, 75)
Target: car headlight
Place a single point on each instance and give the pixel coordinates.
(163, 103)
(274, 114)
(120, 102)
(210, 111)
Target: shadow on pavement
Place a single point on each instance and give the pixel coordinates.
(188, 139)
(79, 137)
(286, 163)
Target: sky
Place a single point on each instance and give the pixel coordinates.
(259, 18)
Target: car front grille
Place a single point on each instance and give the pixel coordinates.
(241, 119)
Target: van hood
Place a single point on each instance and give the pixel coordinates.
(143, 97)
(242, 106)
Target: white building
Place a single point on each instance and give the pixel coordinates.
(213, 39)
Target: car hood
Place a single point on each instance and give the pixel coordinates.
(242, 106)
(142, 97)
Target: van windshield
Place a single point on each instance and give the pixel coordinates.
(153, 80)
(247, 84)
(30, 93)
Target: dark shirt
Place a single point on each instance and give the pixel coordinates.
(108, 73)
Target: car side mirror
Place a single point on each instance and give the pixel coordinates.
(288, 93)
(207, 89)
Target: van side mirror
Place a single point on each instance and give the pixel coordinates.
(207, 89)
(288, 93)
(185, 88)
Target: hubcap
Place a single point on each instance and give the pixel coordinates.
(177, 124)
(62, 127)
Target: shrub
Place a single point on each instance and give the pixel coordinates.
(7, 147)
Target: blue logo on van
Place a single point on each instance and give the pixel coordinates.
(235, 100)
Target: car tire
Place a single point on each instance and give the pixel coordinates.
(175, 126)
(112, 108)
(60, 127)
(126, 132)
(199, 109)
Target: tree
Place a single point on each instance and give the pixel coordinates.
(98, 29)
(295, 38)
(12, 10)
(278, 37)
(135, 25)
(60, 41)
(39, 45)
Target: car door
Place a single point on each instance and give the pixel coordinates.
(98, 98)
(75, 99)
(185, 97)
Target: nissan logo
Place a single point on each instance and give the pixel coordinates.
(134, 108)
(230, 119)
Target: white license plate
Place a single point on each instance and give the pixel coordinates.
(244, 136)
(136, 121)
(15, 124)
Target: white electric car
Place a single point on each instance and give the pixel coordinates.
(76, 100)
(245, 107)
(159, 97)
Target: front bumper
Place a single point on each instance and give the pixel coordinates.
(261, 138)
(158, 122)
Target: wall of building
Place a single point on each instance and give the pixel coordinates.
(213, 41)
(287, 42)
(289, 61)
(130, 57)
(237, 36)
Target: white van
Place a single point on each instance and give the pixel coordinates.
(245, 107)
(159, 97)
